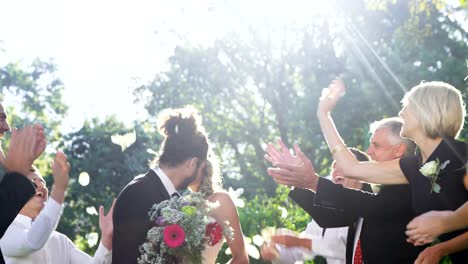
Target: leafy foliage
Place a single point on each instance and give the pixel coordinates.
(250, 91)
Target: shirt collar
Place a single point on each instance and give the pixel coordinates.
(165, 181)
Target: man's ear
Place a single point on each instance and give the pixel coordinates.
(192, 163)
(400, 150)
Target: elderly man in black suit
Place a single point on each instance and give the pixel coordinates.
(377, 222)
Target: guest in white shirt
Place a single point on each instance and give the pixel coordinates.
(329, 243)
(31, 237)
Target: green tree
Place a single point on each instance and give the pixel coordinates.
(91, 150)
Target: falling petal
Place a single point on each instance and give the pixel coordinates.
(253, 251)
(150, 151)
(258, 240)
(92, 239)
(83, 179)
(228, 251)
(124, 141)
(91, 210)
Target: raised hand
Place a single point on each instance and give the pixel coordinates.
(331, 96)
(282, 155)
(106, 225)
(300, 175)
(60, 170)
(26, 145)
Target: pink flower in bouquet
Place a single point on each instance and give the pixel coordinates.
(174, 236)
(214, 232)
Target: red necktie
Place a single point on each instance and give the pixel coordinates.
(358, 253)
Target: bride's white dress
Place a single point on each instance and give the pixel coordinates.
(211, 253)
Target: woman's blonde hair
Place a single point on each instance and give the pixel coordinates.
(439, 107)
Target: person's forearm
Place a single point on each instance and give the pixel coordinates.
(18, 241)
(106, 241)
(454, 245)
(457, 220)
(336, 144)
(306, 243)
(58, 193)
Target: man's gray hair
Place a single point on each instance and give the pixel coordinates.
(393, 125)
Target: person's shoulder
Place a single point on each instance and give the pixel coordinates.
(455, 149)
(223, 198)
(139, 180)
(220, 196)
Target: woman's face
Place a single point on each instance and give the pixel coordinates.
(410, 122)
(37, 202)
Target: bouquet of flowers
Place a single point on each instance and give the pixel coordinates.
(182, 229)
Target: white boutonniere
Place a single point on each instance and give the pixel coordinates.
(431, 170)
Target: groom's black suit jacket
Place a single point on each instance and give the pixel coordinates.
(131, 219)
(385, 214)
(15, 192)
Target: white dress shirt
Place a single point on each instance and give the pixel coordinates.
(331, 246)
(170, 188)
(28, 242)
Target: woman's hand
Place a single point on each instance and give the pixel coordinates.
(106, 224)
(330, 96)
(427, 227)
(60, 170)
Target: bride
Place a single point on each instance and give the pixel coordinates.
(209, 183)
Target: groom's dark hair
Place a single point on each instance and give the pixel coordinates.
(184, 136)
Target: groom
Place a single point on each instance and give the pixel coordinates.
(182, 157)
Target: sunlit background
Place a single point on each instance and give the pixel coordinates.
(103, 49)
(255, 69)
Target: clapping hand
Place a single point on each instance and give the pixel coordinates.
(291, 170)
(282, 155)
(106, 225)
(26, 145)
(60, 170)
(331, 96)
